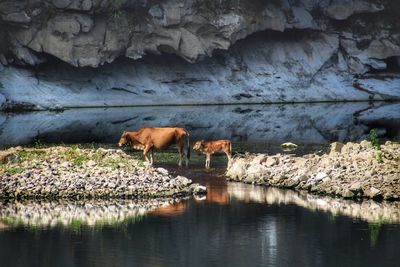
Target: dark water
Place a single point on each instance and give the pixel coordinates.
(235, 225)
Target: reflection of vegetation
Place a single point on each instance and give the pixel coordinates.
(332, 217)
(374, 230)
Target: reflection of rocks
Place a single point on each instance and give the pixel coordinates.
(350, 171)
(368, 210)
(75, 173)
(299, 123)
(70, 213)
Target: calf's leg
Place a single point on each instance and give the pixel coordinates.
(208, 160)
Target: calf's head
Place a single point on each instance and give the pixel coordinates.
(198, 145)
(124, 139)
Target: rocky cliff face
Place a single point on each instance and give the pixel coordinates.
(64, 53)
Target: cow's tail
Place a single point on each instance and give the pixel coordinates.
(187, 145)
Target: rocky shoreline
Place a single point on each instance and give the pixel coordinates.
(352, 170)
(77, 173)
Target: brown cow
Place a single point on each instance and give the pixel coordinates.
(210, 147)
(148, 138)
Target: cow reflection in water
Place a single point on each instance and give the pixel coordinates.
(170, 210)
(149, 138)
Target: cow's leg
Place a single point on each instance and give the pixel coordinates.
(180, 151)
(145, 151)
(208, 160)
(152, 156)
(185, 153)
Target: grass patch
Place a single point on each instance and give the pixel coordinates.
(79, 160)
(74, 154)
(13, 169)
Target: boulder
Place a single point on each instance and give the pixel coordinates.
(336, 147)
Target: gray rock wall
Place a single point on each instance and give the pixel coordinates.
(188, 52)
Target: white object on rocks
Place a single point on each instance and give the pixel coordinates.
(162, 171)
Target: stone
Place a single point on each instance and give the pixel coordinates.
(336, 147)
(199, 189)
(156, 12)
(356, 187)
(259, 159)
(320, 176)
(3, 60)
(162, 171)
(347, 193)
(237, 169)
(365, 144)
(271, 161)
(373, 193)
(17, 17)
(183, 181)
(288, 146)
(91, 163)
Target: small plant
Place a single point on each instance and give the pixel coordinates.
(379, 156)
(376, 144)
(37, 144)
(76, 146)
(374, 139)
(78, 160)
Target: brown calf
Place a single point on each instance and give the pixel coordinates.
(148, 138)
(210, 147)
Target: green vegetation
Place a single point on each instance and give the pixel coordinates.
(37, 144)
(74, 155)
(12, 169)
(376, 144)
(374, 139)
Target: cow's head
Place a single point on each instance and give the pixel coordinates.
(124, 139)
(198, 145)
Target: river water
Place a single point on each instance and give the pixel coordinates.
(234, 225)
